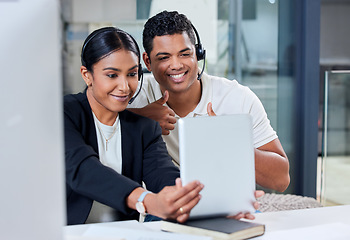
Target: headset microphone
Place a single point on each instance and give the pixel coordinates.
(200, 51)
(200, 75)
(140, 72)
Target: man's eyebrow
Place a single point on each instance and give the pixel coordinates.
(162, 53)
(166, 53)
(184, 50)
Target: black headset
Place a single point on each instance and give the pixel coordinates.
(113, 29)
(200, 51)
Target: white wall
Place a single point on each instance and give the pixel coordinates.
(203, 15)
(31, 139)
(101, 11)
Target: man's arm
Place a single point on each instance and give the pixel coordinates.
(271, 163)
(272, 166)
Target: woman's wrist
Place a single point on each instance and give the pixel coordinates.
(149, 202)
(131, 200)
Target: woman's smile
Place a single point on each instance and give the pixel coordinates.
(121, 98)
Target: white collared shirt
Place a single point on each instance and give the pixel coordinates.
(227, 97)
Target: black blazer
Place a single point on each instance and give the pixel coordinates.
(144, 155)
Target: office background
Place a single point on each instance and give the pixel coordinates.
(282, 50)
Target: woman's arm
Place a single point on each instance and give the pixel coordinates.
(172, 202)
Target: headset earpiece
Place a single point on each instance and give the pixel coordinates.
(200, 51)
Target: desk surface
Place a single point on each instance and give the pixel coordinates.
(282, 220)
(275, 222)
(314, 223)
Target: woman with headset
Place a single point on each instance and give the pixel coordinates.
(109, 151)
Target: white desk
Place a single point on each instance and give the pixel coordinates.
(314, 220)
(284, 223)
(275, 221)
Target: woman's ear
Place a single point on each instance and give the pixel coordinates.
(86, 76)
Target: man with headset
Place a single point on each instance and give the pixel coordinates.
(178, 88)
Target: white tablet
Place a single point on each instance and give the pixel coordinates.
(218, 151)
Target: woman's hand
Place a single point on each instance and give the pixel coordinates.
(174, 202)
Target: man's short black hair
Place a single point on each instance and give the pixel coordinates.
(166, 23)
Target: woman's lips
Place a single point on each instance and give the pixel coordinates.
(121, 98)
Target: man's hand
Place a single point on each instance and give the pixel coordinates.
(164, 115)
(250, 216)
(210, 109)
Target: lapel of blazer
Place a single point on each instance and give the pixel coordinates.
(89, 123)
(129, 141)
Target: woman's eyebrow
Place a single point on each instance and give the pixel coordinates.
(112, 68)
(118, 70)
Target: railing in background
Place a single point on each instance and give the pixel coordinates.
(335, 162)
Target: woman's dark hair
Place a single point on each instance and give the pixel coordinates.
(166, 23)
(104, 41)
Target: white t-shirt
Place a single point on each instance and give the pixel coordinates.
(227, 97)
(110, 152)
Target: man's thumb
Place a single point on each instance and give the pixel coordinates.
(163, 99)
(210, 109)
